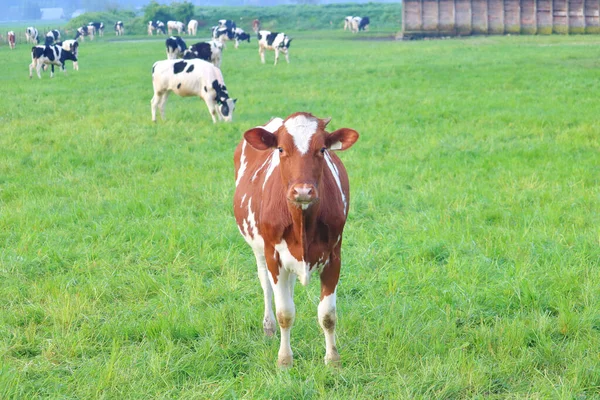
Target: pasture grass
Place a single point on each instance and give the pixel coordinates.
(471, 255)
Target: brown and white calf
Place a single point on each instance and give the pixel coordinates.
(11, 39)
(291, 202)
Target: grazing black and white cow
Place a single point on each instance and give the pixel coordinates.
(32, 35)
(360, 24)
(157, 26)
(11, 39)
(175, 47)
(51, 55)
(119, 28)
(52, 36)
(222, 33)
(191, 78)
(98, 28)
(71, 45)
(227, 23)
(240, 36)
(84, 31)
(277, 41)
(209, 51)
(175, 26)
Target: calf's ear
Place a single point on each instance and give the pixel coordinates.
(260, 139)
(341, 139)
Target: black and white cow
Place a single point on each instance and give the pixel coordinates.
(360, 24)
(52, 36)
(175, 47)
(191, 78)
(84, 31)
(157, 26)
(98, 28)
(240, 36)
(277, 41)
(119, 28)
(71, 45)
(209, 51)
(227, 23)
(51, 55)
(32, 35)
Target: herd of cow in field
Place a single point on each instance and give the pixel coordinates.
(292, 193)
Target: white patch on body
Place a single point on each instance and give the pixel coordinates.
(273, 164)
(302, 129)
(292, 264)
(243, 164)
(250, 231)
(336, 176)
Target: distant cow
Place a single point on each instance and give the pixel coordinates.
(51, 55)
(256, 25)
(227, 23)
(277, 41)
(175, 47)
(157, 26)
(177, 26)
(52, 36)
(32, 35)
(82, 32)
(209, 51)
(11, 39)
(191, 78)
(360, 24)
(98, 28)
(348, 23)
(119, 28)
(291, 203)
(192, 27)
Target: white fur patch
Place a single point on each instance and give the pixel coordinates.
(292, 264)
(273, 124)
(243, 164)
(336, 176)
(272, 165)
(253, 238)
(302, 129)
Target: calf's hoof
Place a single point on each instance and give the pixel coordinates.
(333, 360)
(269, 328)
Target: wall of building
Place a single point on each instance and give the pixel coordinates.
(423, 18)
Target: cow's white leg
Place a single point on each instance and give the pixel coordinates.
(327, 307)
(263, 276)
(276, 55)
(287, 57)
(237, 43)
(212, 109)
(38, 68)
(31, 67)
(261, 51)
(327, 319)
(286, 313)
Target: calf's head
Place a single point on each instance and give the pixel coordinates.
(302, 145)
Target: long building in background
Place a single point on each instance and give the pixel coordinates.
(431, 18)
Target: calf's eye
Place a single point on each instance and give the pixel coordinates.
(280, 149)
(323, 150)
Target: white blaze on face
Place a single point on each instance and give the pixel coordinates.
(302, 130)
(336, 176)
(292, 264)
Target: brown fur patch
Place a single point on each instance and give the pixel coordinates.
(284, 321)
(329, 322)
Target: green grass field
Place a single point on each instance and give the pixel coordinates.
(471, 258)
